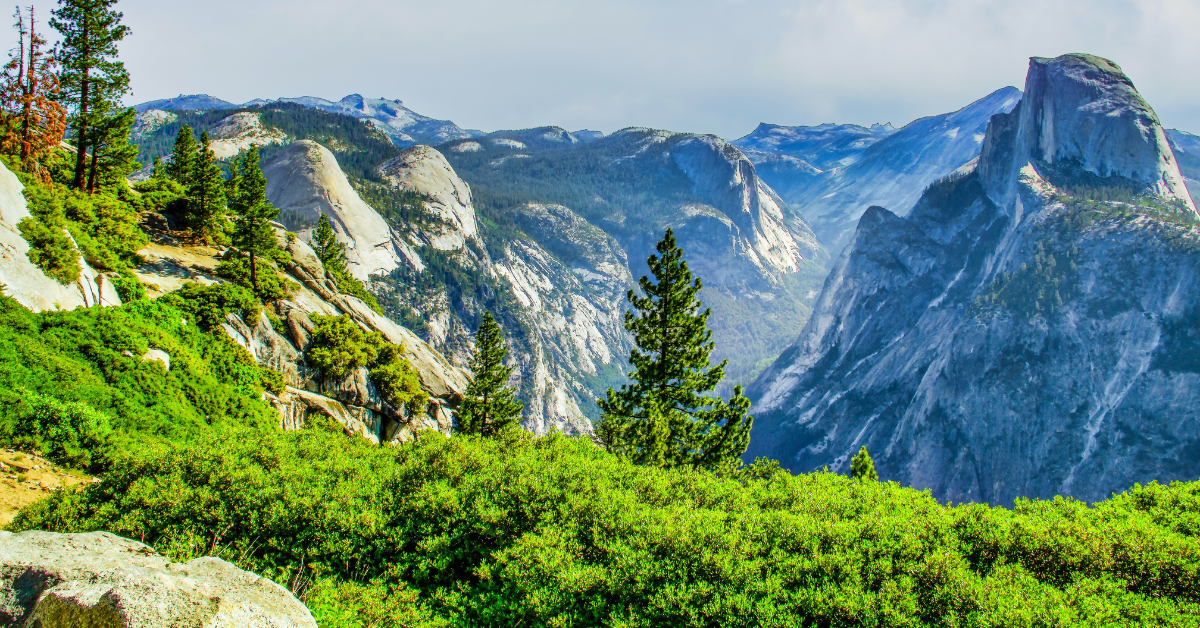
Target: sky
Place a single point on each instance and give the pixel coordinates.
(710, 66)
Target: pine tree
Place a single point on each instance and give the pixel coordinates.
(489, 406)
(253, 232)
(331, 252)
(182, 167)
(33, 120)
(113, 156)
(664, 417)
(92, 77)
(206, 196)
(862, 467)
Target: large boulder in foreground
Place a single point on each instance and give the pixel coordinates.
(100, 580)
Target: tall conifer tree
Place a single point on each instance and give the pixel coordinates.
(206, 196)
(114, 157)
(253, 232)
(862, 467)
(182, 166)
(665, 417)
(489, 406)
(325, 244)
(92, 77)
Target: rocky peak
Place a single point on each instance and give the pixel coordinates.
(1080, 111)
(304, 181)
(424, 170)
(724, 177)
(239, 132)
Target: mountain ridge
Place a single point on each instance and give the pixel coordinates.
(998, 342)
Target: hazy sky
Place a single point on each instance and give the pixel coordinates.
(714, 66)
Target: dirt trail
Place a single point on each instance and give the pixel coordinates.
(26, 478)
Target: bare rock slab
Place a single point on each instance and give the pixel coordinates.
(101, 580)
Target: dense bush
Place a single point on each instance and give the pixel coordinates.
(104, 225)
(208, 305)
(339, 345)
(93, 357)
(398, 381)
(67, 432)
(555, 532)
(271, 284)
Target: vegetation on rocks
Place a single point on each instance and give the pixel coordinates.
(340, 345)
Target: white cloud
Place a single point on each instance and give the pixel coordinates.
(716, 66)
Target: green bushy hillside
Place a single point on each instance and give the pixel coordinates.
(94, 357)
(553, 531)
(547, 531)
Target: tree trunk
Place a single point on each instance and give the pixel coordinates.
(27, 84)
(91, 185)
(81, 133)
(81, 127)
(253, 272)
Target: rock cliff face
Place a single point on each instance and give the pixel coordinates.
(758, 258)
(352, 400)
(1186, 148)
(304, 181)
(859, 167)
(449, 220)
(554, 289)
(1028, 330)
(24, 281)
(238, 133)
(1082, 112)
(99, 579)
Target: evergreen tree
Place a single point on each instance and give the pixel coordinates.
(92, 77)
(206, 196)
(253, 232)
(113, 156)
(489, 405)
(182, 166)
(664, 417)
(331, 252)
(862, 467)
(33, 120)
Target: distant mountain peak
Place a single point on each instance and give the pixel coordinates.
(1081, 111)
(183, 102)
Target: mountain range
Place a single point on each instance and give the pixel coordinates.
(1028, 329)
(547, 228)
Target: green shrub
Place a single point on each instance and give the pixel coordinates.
(554, 531)
(104, 225)
(273, 381)
(398, 381)
(339, 345)
(340, 604)
(347, 284)
(51, 250)
(129, 288)
(67, 433)
(208, 305)
(271, 285)
(93, 356)
(276, 323)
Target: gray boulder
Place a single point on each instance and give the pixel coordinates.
(100, 580)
